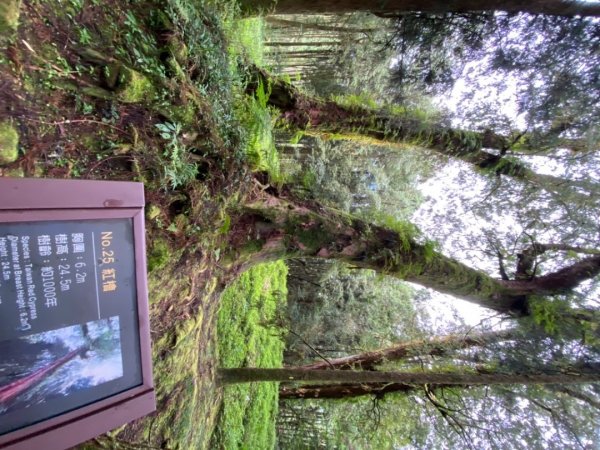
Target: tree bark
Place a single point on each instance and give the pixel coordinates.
(249, 375)
(305, 112)
(432, 347)
(393, 8)
(277, 228)
(342, 391)
(561, 281)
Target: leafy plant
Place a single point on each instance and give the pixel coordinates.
(362, 100)
(84, 36)
(260, 148)
(179, 170)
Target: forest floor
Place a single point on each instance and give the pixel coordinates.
(85, 84)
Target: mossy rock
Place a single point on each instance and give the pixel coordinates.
(185, 114)
(9, 141)
(112, 72)
(38, 170)
(9, 17)
(134, 87)
(177, 71)
(94, 56)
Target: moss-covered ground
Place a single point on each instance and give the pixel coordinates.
(249, 336)
(153, 91)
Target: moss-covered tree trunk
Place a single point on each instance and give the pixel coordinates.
(305, 112)
(272, 228)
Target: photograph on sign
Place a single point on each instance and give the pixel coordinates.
(68, 315)
(37, 368)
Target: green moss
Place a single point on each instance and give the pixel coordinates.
(177, 71)
(253, 246)
(248, 336)
(134, 87)
(152, 212)
(15, 173)
(9, 17)
(359, 101)
(185, 114)
(407, 232)
(111, 73)
(313, 239)
(158, 255)
(184, 386)
(9, 141)
(179, 50)
(39, 170)
(91, 142)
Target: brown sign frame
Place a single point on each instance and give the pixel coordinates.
(31, 200)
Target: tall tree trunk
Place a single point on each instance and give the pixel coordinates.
(341, 391)
(304, 112)
(273, 228)
(303, 44)
(249, 375)
(437, 346)
(392, 8)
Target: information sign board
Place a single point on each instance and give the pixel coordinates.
(74, 331)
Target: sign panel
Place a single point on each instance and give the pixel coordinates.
(74, 337)
(68, 314)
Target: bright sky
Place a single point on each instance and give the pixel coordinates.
(444, 193)
(507, 97)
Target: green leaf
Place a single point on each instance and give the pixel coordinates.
(224, 229)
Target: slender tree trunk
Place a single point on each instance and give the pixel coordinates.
(393, 8)
(432, 347)
(303, 44)
(310, 53)
(342, 391)
(249, 375)
(315, 26)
